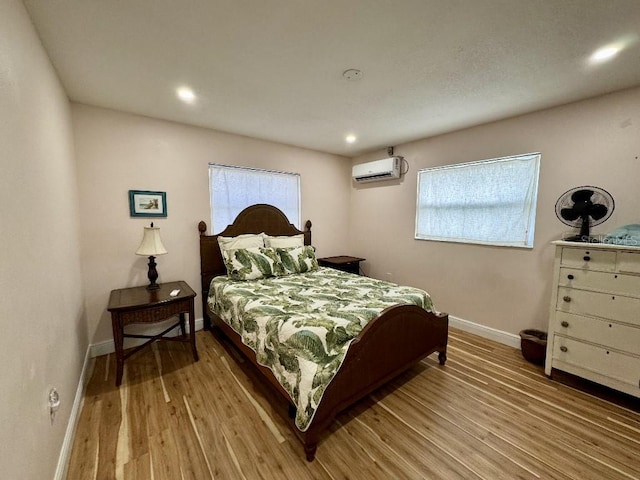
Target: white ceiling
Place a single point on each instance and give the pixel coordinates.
(272, 69)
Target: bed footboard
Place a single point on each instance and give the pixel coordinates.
(390, 344)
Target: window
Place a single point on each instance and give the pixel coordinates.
(233, 189)
(488, 202)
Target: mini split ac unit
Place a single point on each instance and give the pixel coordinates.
(385, 169)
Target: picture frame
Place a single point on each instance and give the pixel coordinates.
(144, 203)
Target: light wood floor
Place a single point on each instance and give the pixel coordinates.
(487, 414)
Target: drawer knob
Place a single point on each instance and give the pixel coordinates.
(564, 323)
(563, 348)
(586, 258)
(566, 298)
(570, 277)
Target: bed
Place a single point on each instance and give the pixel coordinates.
(391, 340)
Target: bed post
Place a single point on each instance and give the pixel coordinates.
(307, 232)
(204, 287)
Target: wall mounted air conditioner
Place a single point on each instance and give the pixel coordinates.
(385, 169)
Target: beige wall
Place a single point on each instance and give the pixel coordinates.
(594, 142)
(118, 152)
(44, 333)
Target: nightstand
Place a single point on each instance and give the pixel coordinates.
(139, 305)
(344, 263)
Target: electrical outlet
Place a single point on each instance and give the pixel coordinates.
(54, 402)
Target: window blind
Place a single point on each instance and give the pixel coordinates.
(234, 188)
(487, 202)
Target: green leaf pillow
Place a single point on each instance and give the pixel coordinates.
(298, 259)
(252, 263)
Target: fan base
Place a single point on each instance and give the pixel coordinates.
(582, 239)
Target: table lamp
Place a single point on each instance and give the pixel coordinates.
(151, 246)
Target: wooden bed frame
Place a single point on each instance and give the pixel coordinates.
(391, 343)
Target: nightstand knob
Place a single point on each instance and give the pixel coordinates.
(564, 323)
(586, 258)
(563, 348)
(570, 277)
(566, 298)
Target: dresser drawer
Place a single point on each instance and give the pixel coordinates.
(629, 262)
(608, 334)
(605, 305)
(599, 360)
(600, 281)
(589, 259)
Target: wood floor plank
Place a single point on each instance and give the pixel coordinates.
(87, 440)
(163, 452)
(399, 452)
(425, 455)
(503, 445)
(191, 458)
(474, 453)
(110, 419)
(487, 414)
(137, 413)
(509, 428)
(138, 467)
(350, 458)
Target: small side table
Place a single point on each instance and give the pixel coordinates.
(139, 305)
(344, 263)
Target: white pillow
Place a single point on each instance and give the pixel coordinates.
(284, 241)
(246, 240)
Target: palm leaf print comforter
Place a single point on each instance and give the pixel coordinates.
(301, 325)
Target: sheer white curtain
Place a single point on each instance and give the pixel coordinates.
(487, 202)
(233, 188)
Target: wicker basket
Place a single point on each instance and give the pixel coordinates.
(534, 345)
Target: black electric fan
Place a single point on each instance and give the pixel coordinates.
(584, 207)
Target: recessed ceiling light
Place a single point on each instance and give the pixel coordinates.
(186, 94)
(605, 53)
(351, 138)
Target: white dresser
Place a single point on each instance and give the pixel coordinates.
(594, 325)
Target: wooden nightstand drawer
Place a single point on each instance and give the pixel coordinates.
(155, 314)
(344, 263)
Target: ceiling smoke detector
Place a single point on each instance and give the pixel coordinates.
(352, 74)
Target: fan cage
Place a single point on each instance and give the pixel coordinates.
(598, 196)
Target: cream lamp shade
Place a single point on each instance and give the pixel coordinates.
(151, 246)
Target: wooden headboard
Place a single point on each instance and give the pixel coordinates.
(254, 219)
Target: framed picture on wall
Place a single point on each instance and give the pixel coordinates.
(143, 203)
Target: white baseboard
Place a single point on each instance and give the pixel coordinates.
(486, 332)
(67, 443)
(103, 348)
